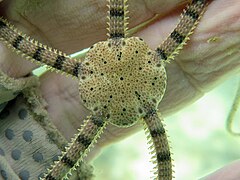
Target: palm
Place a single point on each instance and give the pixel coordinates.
(77, 25)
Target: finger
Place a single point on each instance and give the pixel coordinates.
(228, 172)
(73, 26)
(10, 63)
(202, 64)
(13, 65)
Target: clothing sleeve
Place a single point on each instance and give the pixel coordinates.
(10, 87)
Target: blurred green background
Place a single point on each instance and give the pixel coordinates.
(199, 140)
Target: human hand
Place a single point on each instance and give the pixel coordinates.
(69, 27)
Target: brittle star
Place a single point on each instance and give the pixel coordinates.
(121, 80)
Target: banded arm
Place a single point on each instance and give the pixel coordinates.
(117, 19)
(77, 149)
(161, 151)
(179, 36)
(37, 52)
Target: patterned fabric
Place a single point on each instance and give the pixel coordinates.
(24, 143)
(29, 142)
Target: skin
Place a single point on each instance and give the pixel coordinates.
(202, 65)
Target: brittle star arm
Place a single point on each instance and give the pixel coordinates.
(161, 151)
(180, 35)
(37, 52)
(77, 149)
(117, 19)
(233, 112)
